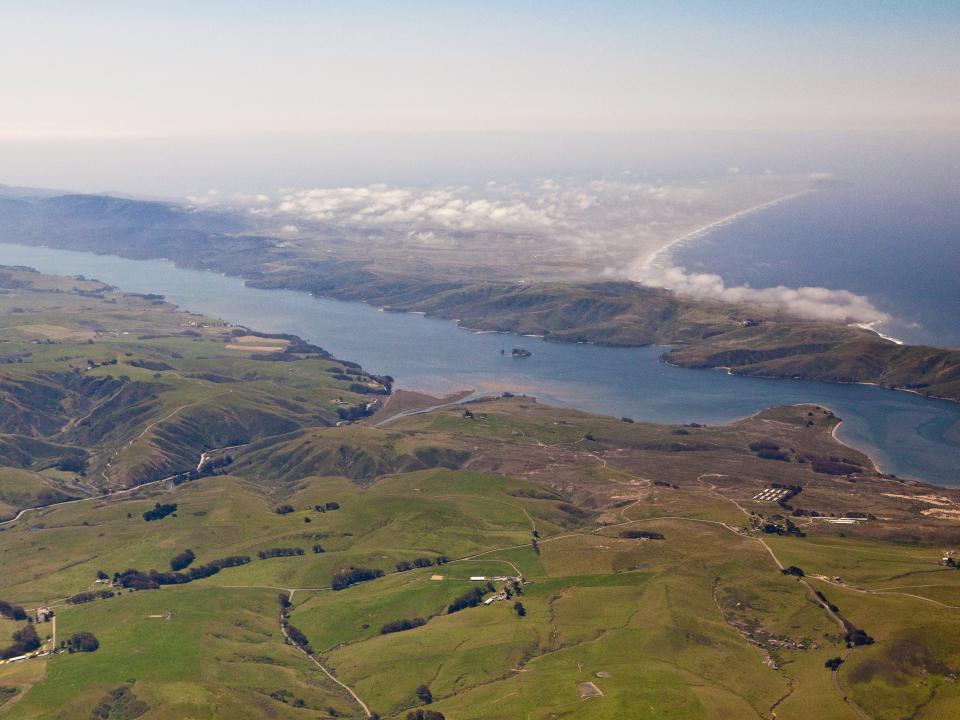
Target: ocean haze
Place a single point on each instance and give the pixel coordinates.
(175, 167)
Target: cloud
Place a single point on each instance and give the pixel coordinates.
(622, 221)
(589, 214)
(818, 303)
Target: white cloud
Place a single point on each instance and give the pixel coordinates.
(817, 303)
(563, 212)
(615, 219)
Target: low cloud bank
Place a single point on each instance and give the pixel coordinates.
(588, 214)
(614, 218)
(818, 303)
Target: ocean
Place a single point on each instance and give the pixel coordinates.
(893, 236)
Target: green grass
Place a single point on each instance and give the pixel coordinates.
(700, 624)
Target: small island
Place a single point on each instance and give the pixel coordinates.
(519, 352)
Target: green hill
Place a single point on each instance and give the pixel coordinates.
(498, 558)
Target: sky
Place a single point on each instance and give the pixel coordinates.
(121, 70)
(409, 101)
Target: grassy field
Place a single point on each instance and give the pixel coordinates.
(696, 620)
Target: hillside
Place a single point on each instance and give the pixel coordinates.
(495, 558)
(103, 390)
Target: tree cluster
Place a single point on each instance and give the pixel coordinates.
(424, 694)
(420, 562)
(137, 580)
(326, 507)
(469, 599)
(160, 511)
(768, 450)
(834, 466)
(182, 560)
(297, 637)
(354, 412)
(789, 528)
(421, 714)
(12, 612)
(280, 552)
(344, 578)
(857, 636)
(401, 625)
(283, 509)
(82, 641)
(641, 535)
(24, 640)
(86, 597)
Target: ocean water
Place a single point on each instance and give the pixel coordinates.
(906, 434)
(894, 237)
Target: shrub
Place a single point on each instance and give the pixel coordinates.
(423, 692)
(401, 625)
(858, 637)
(283, 509)
(160, 511)
(182, 560)
(773, 455)
(297, 637)
(83, 641)
(833, 467)
(793, 570)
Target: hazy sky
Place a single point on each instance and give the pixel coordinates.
(168, 69)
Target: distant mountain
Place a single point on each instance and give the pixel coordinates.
(108, 224)
(18, 191)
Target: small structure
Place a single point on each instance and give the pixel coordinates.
(478, 577)
(771, 494)
(589, 690)
(44, 614)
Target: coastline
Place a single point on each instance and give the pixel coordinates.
(651, 260)
(873, 461)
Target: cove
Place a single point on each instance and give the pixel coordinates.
(906, 434)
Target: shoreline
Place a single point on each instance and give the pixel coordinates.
(873, 461)
(700, 232)
(549, 338)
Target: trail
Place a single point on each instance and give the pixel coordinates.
(841, 625)
(149, 427)
(418, 411)
(313, 659)
(108, 496)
